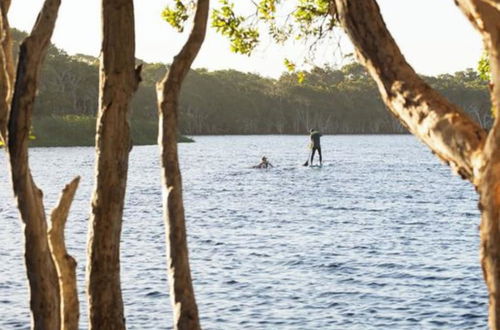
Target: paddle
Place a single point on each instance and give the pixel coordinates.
(307, 161)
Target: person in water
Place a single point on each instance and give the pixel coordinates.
(264, 163)
(315, 145)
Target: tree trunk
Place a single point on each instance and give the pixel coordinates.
(42, 275)
(485, 16)
(6, 69)
(179, 273)
(117, 82)
(489, 190)
(453, 136)
(65, 264)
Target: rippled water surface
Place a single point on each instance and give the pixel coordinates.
(383, 236)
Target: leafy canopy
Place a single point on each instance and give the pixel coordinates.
(243, 38)
(176, 16)
(305, 20)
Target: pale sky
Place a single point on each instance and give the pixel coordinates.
(433, 35)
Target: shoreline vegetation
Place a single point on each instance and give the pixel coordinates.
(228, 102)
(79, 131)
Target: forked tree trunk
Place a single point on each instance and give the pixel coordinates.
(117, 83)
(485, 16)
(453, 136)
(65, 264)
(42, 275)
(179, 273)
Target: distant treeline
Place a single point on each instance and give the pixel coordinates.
(335, 101)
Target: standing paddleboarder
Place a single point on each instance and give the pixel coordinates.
(315, 145)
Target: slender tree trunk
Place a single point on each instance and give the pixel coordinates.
(118, 81)
(453, 136)
(179, 273)
(42, 275)
(65, 264)
(485, 16)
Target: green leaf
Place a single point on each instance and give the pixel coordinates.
(289, 65)
(243, 39)
(301, 77)
(176, 16)
(483, 67)
(484, 70)
(267, 9)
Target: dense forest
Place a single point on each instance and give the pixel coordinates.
(336, 101)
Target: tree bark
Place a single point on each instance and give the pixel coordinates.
(451, 134)
(489, 191)
(182, 295)
(7, 69)
(65, 264)
(485, 16)
(42, 275)
(117, 82)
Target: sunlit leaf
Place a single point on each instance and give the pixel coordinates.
(176, 16)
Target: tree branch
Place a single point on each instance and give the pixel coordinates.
(65, 264)
(183, 60)
(485, 17)
(447, 130)
(181, 288)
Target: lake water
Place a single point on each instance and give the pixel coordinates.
(383, 236)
